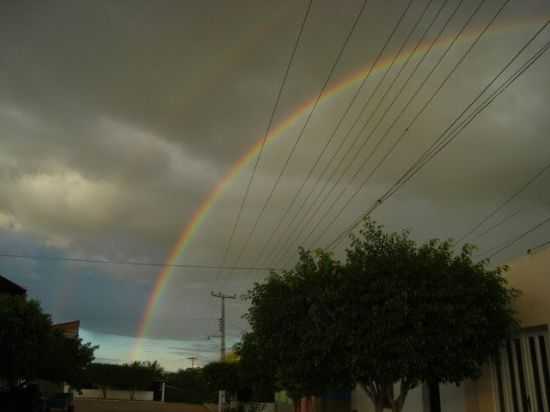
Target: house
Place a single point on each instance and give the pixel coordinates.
(69, 329)
(7, 287)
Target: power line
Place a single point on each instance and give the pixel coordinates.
(509, 199)
(536, 248)
(434, 150)
(300, 135)
(133, 263)
(417, 116)
(410, 124)
(512, 242)
(498, 224)
(316, 201)
(352, 101)
(430, 153)
(412, 171)
(268, 129)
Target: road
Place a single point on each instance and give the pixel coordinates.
(82, 405)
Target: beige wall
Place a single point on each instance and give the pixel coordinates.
(531, 275)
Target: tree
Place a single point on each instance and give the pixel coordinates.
(419, 313)
(105, 376)
(31, 349)
(133, 377)
(140, 375)
(293, 316)
(222, 376)
(24, 330)
(188, 385)
(256, 371)
(395, 314)
(68, 360)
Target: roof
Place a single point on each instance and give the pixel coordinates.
(69, 329)
(11, 288)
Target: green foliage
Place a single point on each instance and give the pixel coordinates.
(394, 313)
(134, 376)
(420, 313)
(293, 316)
(256, 372)
(68, 360)
(24, 331)
(31, 349)
(222, 376)
(189, 386)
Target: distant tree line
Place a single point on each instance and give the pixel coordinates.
(132, 377)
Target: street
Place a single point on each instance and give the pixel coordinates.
(86, 405)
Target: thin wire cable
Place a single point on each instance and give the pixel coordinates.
(306, 123)
(268, 129)
(411, 172)
(133, 263)
(502, 221)
(506, 202)
(435, 150)
(281, 244)
(534, 249)
(406, 130)
(317, 201)
(499, 249)
(362, 167)
(352, 101)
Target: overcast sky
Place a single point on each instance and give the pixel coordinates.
(118, 118)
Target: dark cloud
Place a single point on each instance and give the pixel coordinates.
(119, 118)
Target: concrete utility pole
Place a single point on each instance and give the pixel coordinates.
(222, 321)
(222, 297)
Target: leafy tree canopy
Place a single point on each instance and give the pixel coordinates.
(394, 313)
(31, 349)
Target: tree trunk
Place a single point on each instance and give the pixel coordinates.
(379, 406)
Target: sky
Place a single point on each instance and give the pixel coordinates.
(120, 119)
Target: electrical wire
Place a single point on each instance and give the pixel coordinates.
(268, 129)
(435, 149)
(499, 249)
(498, 224)
(534, 249)
(350, 150)
(134, 263)
(409, 125)
(306, 123)
(507, 201)
(352, 101)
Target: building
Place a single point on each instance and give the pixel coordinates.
(69, 329)
(8, 287)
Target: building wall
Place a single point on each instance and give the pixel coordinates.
(531, 275)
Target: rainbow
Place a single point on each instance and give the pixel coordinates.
(210, 200)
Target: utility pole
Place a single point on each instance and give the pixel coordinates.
(222, 321)
(222, 297)
(192, 359)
